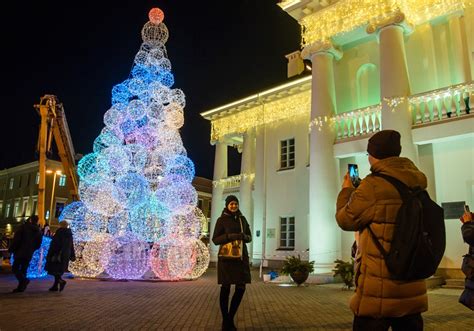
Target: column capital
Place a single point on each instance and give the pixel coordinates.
(321, 47)
(395, 18)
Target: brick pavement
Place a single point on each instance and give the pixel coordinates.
(193, 305)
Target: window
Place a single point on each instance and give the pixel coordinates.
(200, 204)
(35, 208)
(59, 209)
(17, 208)
(19, 182)
(287, 153)
(1, 207)
(62, 180)
(209, 205)
(7, 210)
(287, 232)
(37, 180)
(12, 181)
(28, 180)
(25, 206)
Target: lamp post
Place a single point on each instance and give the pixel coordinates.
(58, 172)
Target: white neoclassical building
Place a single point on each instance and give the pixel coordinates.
(400, 64)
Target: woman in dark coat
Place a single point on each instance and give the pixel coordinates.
(60, 252)
(231, 226)
(467, 229)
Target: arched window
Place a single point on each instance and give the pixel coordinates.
(368, 85)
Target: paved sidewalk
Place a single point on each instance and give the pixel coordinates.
(193, 305)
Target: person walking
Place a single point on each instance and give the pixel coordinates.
(26, 240)
(467, 229)
(60, 252)
(380, 302)
(232, 227)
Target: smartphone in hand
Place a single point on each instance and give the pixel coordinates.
(353, 170)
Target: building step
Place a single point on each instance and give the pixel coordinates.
(454, 283)
(434, 281)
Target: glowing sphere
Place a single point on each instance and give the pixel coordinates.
(177, 96)
(105, 140)
(138, 157)
(156, 15)
(202, 260)
(155, 33)
(129, 257)
(38, 261)
(120, 94)
(113, 117)
(155, 111)
(134, 189)
(187, 222)
(149, 219)
(172, 258)
(181, 166)
(113, 161)
(91, 256)
(155, 167)
(174, 117)
(174, 192)
(117, 224)
(101, 197)
(74, 213)
(86, 165)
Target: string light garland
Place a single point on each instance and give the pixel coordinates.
(233, 181)
(345, 16)
(136, 186)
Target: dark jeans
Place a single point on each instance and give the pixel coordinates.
(405, 323)
(19, 268)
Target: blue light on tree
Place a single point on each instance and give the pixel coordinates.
(135, 188)
(38, 261)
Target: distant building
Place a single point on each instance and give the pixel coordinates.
(19, 195)
(382, 66)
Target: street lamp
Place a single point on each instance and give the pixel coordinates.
(57, 172)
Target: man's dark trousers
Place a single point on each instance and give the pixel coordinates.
(405, 323)
(19, 268)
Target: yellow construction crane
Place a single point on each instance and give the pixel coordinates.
(54, 126)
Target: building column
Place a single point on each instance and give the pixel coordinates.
(460, 67)
(220, 172)
(247, 170)
(394, 82)
(324, 234)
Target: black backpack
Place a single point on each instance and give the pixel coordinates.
(419, 238)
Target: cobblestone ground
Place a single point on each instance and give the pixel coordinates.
(193, 305)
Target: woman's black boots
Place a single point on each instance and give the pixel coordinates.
(234, 304)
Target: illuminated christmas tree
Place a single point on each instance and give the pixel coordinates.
(138, 206)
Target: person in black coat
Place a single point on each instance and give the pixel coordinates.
(26, 241)
(232, 226)
(467, 229)
(60, 252)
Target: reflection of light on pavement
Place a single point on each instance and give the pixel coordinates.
(287, 285)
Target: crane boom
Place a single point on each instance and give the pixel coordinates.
(54, 125)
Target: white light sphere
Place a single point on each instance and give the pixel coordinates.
(133, 190)
(74, 213)
(113, 161)
(91, 256)
(138, 157)
(129, 257)
(174, 192)
(174, 116)
(101, 197)
(187, 222)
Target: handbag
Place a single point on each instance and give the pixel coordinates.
(233, 249)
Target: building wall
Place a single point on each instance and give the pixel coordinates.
(454, 176)
(287, 191)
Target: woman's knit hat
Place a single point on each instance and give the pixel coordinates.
(383, 144)
(229, 199)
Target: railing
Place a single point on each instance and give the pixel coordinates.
(450, 102)
(232, 182)
(358, 122)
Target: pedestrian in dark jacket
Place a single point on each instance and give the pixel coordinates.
(232, 226)
(26, 241)
(467, 229)
(61, 251)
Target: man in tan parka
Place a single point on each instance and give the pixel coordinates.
(380, 302)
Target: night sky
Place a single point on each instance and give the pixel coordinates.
(220, 51)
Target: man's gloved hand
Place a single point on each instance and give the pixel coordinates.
(234, 236)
